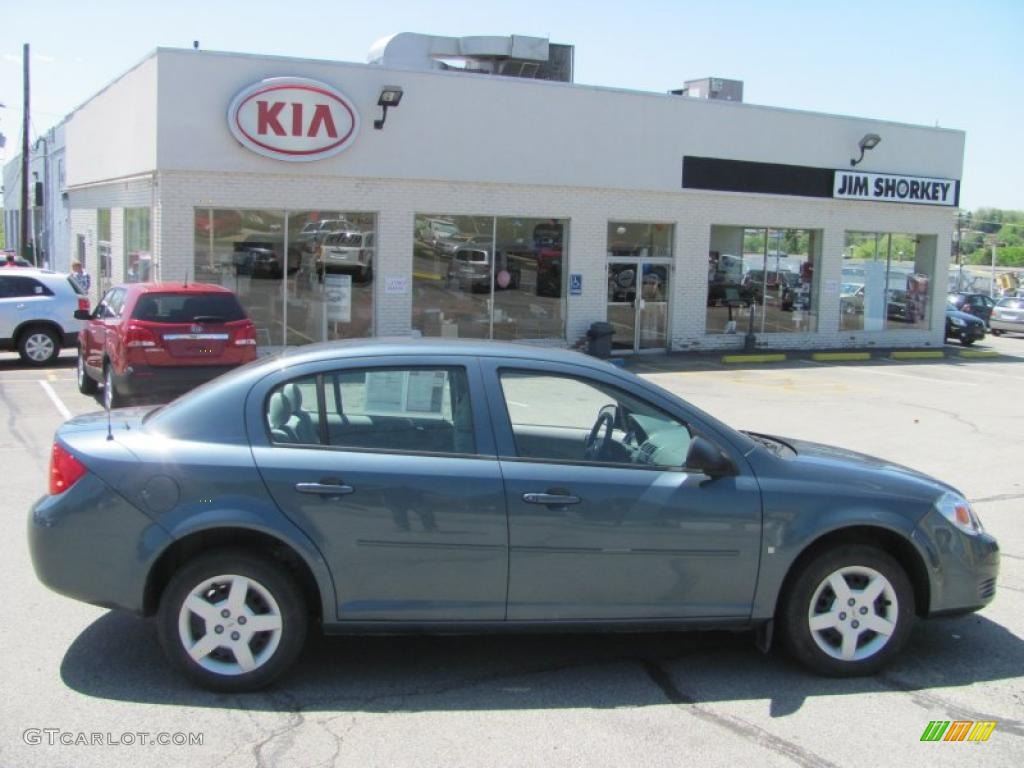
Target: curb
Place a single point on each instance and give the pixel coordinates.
(978, 353)
(917, 354)
(770, 358)
(839, 357)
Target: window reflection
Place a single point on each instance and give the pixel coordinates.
(765, 272)
(138, 257)
(302, 276)
(886, 281)
(485, 277)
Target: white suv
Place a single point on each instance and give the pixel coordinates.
(37, 313)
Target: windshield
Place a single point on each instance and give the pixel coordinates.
(1011, 303)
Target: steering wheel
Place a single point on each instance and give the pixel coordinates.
(595, 446)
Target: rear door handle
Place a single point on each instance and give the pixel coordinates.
(553, 499)
(325, 489)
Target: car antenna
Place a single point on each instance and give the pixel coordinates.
(106, 407)
(186, 277)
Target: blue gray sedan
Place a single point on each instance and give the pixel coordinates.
(437, 486)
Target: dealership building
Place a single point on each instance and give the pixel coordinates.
(467, 188)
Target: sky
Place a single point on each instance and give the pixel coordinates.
(952, 64)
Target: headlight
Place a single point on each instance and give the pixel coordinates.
(957, 322)
(958, 511)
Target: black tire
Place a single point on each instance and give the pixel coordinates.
(966, 342)
(794, 617)
(111, 397)
(996, 332)
(38, 345)
(269, 576)
(87, 385)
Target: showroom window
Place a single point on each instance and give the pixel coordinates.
(764, 274)
(302, 276)
(138, 258)
(103, 253)
(886, 281)
(485, 277)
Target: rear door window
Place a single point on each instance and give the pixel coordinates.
(24, 287)
(188, 308)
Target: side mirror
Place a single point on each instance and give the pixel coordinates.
(704, 457)
(83, 314)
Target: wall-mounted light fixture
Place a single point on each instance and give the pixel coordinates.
(870, 141)
(390, 96)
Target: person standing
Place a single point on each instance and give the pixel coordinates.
(80, 276)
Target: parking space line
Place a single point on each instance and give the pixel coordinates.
(57, 402)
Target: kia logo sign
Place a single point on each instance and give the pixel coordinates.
(292, 118)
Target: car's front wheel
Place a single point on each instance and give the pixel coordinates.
(232, 621)
(966, 341)
(848, 612)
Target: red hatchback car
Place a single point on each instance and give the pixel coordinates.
(161, 339)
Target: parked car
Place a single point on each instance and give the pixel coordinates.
(779, 286)
(978, 304)
(851, 298)
(470, 270)
(964, 327)
(18, 261)
(161, 339)
(341, 486)
(1007, 316)
(312, 235)
(37, 313)
(449, 245)
(432, 232)
(348, 252)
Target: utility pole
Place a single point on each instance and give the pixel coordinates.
(24, 165)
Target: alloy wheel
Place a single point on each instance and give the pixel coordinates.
(853, 613)
(230, 625)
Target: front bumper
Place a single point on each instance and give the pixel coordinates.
(166, 380)
(90, 544)
(962, 569)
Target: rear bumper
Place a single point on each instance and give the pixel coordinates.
(1002, 325)
(164, 380)
(90, 544)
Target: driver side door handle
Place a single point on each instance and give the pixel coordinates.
(551, 499)
(325, 489)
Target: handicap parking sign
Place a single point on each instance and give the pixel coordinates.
(576, 284)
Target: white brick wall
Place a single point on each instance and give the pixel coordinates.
(396, 203)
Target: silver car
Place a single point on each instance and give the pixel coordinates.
(1007, 316)
(37, 313)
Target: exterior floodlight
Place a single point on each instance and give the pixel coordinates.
(390, 96)
(870, 141)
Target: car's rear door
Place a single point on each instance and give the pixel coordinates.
(390, 468)
(598, 535)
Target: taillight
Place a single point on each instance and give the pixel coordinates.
(83, 303)
(137, 336)
(65, 470)
(246, 336)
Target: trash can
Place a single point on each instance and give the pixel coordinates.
(599, 339)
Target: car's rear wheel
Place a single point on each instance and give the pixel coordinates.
(86, 383)
(38, 345)
(996, 332)
(111, 397)
(232, 621)
(848, 612)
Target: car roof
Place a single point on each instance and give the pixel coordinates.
(407, 345)
(175, 287)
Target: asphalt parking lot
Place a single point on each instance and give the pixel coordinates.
(587, 700)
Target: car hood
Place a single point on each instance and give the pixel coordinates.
(869, 473)
(967, 318)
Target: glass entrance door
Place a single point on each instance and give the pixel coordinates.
(638, 293)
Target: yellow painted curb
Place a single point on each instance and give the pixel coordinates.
(753, 358)
(918, 354)
(978, 353)
(825, 357)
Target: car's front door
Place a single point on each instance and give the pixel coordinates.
(391, 471)
(604, 520)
